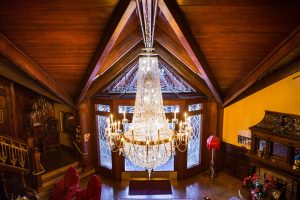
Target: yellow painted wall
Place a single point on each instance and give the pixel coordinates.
(282, 96)
(65, 138)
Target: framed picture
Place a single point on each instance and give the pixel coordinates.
(244, 137)
(67, 122)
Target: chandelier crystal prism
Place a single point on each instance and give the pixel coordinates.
(150, 141)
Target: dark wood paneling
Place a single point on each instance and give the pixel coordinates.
(15, 101)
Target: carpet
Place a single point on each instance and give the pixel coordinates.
(155, 187)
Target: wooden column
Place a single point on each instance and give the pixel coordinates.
(84, 116)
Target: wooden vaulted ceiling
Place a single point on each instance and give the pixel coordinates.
(229, 45)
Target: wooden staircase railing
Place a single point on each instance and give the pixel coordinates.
(14, 159)
(14, 155)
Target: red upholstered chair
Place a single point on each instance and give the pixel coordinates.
(66, 189)
(93, 190)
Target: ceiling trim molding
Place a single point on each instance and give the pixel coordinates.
(117, 22)
(178, 23)
(16, 56)
(291, 42)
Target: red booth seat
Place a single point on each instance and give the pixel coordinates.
(66, 189)
(93, 190)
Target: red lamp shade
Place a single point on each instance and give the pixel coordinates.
(213, 142)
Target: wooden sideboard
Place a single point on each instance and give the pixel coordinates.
(235, 160)
(274, 143)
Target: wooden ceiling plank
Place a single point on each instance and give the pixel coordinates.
(115, 26)
(187, 74)
(176, 19)
(16, 56)
(291, 42)
(109, 75)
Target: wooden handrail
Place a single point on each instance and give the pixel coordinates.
(79, 150)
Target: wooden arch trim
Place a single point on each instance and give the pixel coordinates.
(131, 58)
(117, 22)
(112, 73)
(178, 23)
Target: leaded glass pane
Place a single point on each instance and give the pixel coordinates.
(171, 109)
(169, 80)
(127, 109)
(194, 107)
(102, 108)
(193, 154)
(105, 153)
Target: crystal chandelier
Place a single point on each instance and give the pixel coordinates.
(149, 142)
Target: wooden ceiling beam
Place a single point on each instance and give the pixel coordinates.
(268, 80)
(117, 22)
(291, 42)
(187, 74)
(7, 70)
(176, 20)
(112, 73)
(121, 49)
(176, 49)
(16, 56)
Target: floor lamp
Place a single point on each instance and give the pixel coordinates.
(212, 143)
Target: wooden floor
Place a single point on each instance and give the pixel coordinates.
(57, 158)
(198, 187)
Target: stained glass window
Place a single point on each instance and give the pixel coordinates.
(102, 107)
(194, 107)
(105, 153)
(193, 154)
(171, 109)
(127, 109)
(167, 109)
(169, 80)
